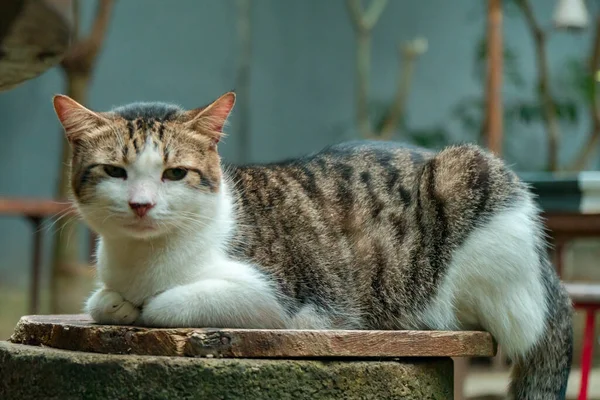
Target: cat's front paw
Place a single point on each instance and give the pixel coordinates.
(160, 311)
(109, 307)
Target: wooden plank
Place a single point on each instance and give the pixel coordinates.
(572, 225)
(584, 293)
(34, 208)
(77, 332)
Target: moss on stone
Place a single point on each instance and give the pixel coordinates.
(46, 373)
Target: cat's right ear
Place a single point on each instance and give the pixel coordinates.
(75, 118)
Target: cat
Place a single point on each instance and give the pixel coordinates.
(361, 235)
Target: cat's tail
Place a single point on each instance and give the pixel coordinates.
(541, 369)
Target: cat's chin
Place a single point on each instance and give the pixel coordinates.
(130, 234)
(132, 230)
(142, 230)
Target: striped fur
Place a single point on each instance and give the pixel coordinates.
(361, 235)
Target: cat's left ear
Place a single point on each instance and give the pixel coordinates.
(210, 120)
(75, 118)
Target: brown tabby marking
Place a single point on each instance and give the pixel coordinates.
(120, 141)
(386, 220)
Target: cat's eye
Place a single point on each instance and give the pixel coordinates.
(174, 174)
(115, 172)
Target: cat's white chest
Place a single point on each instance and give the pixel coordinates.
(138, 276)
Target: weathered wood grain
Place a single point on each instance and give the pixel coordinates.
(38, 208)
(77, 332)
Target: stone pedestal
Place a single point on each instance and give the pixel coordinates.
(44, 373)
(130, 362)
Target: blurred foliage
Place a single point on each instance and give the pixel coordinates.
(572, 91)
(577, 80)
(434, 137)
(511, 69)
(576, 89)
(431, 137)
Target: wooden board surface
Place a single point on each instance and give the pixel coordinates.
(584, 293)
(77, 332)
(35, 207)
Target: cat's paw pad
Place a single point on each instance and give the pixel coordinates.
(126, 313)
(112, 302)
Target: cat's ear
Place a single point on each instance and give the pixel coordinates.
(209, 120)
(75, 118)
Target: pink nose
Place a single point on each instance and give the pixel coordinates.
(141, 209)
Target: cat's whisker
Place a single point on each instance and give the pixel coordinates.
(107, 218)
(57, 218)
(202, 218)
(69, 221)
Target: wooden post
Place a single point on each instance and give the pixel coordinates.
(494, 111)
(78, 66)
(36, 264)
(494, 77)
(544, 90)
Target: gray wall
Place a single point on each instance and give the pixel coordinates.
(302, 96)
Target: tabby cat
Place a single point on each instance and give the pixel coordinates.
(360, 235)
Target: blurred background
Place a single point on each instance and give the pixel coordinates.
(308, 73)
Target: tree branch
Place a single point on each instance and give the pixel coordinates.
(78, 66)
(365, 20)
(409, 52)
(76, 19)
(363, 24)
(493, 118)
(591, 145)
(84, 52)
(356, 14)
(372, 14)
(546, 101)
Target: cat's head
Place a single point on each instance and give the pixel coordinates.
(145, 169)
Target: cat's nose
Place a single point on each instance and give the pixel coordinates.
(141, 209)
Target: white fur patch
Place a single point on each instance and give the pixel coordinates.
(177, 207)
(182, 277)
(228, 295)
(109, 307)
(494, 282)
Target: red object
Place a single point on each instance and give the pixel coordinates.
(584, 297)
(588, 347)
